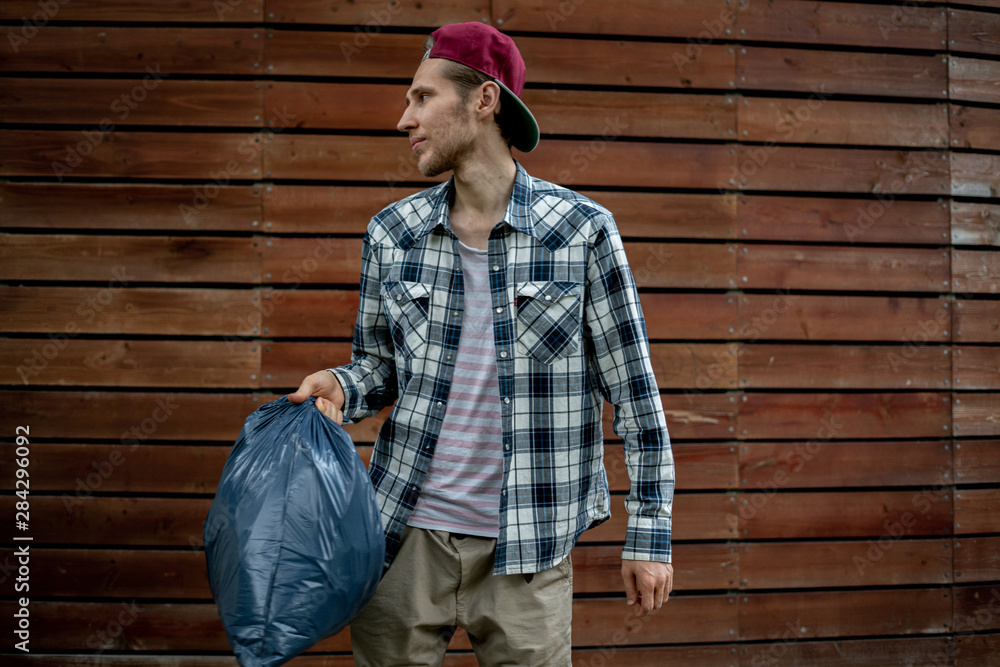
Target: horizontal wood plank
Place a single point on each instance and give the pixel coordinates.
(320, 259)
(882, 562)
(818, 120)
(977, 461)
(678, 316)
(141, 258)
(857, 170)
(627, 63)
(973, 79)
(855, 652)
(643, 18)
(975, 224)
(370, 15)
(671, 215)
(825, 72)
(695, 415)
(310, 313)
(977, 511)
(109, 11)
(843, 268)
(977, 650)
(65, 312)
(852, 24)
(804, 615)
(708, 618)
(975, 127)
(975, 608)
(976, 558)
(131, 417)
(976, 415)
(974, 31)
(114, 49)
(906, 366)
(123, 102)
(788, 316)
(214, 157)
(818, 464)
(975, 271)
(977, 321)
(81, 470)
(104, 206)
(883, 219)
(830, 416)
(975, 175)
(688, 265)
(976, 367)
(639, 114)
(768, 514)
(130, 363)
(325, 209)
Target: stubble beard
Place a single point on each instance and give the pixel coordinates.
(458, 144)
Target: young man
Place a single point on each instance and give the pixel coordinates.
(498, 312)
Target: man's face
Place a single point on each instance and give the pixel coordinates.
(439, 123)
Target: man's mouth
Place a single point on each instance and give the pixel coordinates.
(416, 143)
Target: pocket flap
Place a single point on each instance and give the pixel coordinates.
(548, 290)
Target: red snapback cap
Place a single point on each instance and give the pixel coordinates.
(487, 50)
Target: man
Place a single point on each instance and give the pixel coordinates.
(498, 313)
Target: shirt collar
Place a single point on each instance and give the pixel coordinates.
(518, 214)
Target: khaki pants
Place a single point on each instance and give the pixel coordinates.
(441, 580)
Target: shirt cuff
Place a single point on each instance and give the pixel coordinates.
(647, 539)
(352, 396)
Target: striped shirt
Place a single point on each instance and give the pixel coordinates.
(568, 335)
(461, 493)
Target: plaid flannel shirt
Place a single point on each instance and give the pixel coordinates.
(569, 334)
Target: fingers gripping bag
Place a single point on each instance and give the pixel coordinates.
(293, 539)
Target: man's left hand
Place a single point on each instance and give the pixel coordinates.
(647, 584)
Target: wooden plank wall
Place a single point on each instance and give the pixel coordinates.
(810, 196)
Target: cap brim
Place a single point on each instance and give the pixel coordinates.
(524, 130)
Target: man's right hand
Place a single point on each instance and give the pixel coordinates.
(328, 392)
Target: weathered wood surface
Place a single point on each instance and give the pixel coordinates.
(881, 219)
(108, 206)
(160, 11)
(131, 50)
(116, 102)
(892, 26)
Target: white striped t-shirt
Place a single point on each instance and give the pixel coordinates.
(461, 493)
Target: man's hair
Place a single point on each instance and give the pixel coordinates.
(466, 80)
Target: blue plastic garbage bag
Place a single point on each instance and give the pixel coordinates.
(293, 539)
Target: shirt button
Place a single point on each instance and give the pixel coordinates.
(499, 310)
(440, 404)
(455, 314)
(503, 355)
(399, 297)
(448, 357)
(507, 447)
(506, 399)
(548, 297)
(496, 267)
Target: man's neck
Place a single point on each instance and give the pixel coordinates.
(482, 192)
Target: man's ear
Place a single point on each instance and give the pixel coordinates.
(489, 99)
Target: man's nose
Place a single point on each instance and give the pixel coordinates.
(406, 122)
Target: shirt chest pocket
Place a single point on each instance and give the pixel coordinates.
(407, 311)
(549, 319)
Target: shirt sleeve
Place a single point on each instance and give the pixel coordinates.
(624, 373)
(369, 381)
